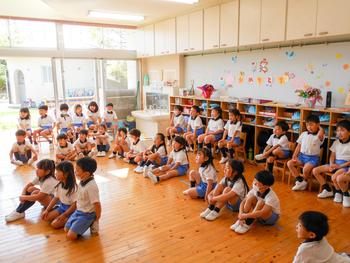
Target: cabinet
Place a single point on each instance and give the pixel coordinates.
(229, 24)
(211, 27)
(182, 34)
(249, 26)
(196, 31)
(165, 37)
(145, 41)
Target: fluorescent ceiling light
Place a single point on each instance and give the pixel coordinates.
(184, 1)
(109, 15)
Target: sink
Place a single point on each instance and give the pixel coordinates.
(152, 115)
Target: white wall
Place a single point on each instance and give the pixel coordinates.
(322, 66)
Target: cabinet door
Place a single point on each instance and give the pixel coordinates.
(273, 20)
(140, 49)
(333, 17)
(229, 24)
(149, 40)
(159, 38)
(182, 34)
(196, 31)
(301, 19)
(211, 27)
(170, 37)
(249, 26)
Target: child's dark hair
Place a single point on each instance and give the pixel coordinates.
(123, 129)
(315, 222)
(21, 133)
(67, 169)
(313, 118)
(196, 108)
(87, 164)
(109, 104)
(135, 132)
(43, 107)
(25, 110)
(93, 103)
(84, 131)
(103, 125)
(219, 110)
(182, 141)
(47, 165)
(62, 136)
(162, 137)
(344, 124)
(77, 106)
(179, 107)
(64, 106)
(207, 153)
(238, 167)
(265, 177)
(283, 125)
(235, 112)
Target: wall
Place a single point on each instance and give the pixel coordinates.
(274, 73)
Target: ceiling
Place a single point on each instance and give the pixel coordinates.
(77, 10)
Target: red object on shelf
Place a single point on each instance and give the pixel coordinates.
(207, 90)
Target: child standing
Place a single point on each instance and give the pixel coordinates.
(102, 141)
(134, 156)
(45, 178)
(93, 116)
(64, 202)
(83, 146)
(22, 151)
(177, 124)
(204, 180)
(25, 123)
(230, 191)
(65, 150)
(277, 146)
(261, 203)
(231, 137)
(194, 127)
(214, 130)
(45, 124)
(78, 120)
(64, 122)
(122, 143)
(110, 117)
(88, 212)
(307, 152)
(177, 165)
(312, 229)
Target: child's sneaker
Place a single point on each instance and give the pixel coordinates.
(223, 160)
(31, 161)
(325, 194)
(92, 153)
(212, 215)
(103, 154)
(13, 216)
(243, 228)
(126, 160)
(94, 228)
(98, 154)
(338, 198)
(300, 186)
(112, 155)
(259, 157)
(152, 177)
(205, 213)
(17, 162)
(190, 149)
(346, 201)
(235, 225)
(138, 169)
(146, 169)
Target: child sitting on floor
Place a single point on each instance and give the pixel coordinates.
(65, 150)
(277, 146)
(45, 124)
(110, 117)
(177, 123)
(134, 156)
(83, 146)
(122, 143)
(25, 123)
(63, 204)
(312, 229)
(231, 190)
(22, 152)
(78, 120)
(194, 127)
(261, 203)
(45, 178)
(102, 140)
(177, 165)
(93, 116)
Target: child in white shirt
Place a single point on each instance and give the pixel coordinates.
(45, 124)
(93, 116)
(83, 146)
(134, 156)
(78, 120)
(22, 152)
(25, 123)
(194, 127)
(102, 141)
(110, 117)
(64, 122)
(177, 124)
(65, 150)
(122, 143)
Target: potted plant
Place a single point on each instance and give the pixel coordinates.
(310, 95)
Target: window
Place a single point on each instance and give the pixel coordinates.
(4, 34)
(46, 74)
(119, 38)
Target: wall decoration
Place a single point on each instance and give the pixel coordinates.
(254, 67)
(234, 59)
(259, 80)
(268, 82)
(263, 66)
(345, 66)
(250, 80)
(241, 77)
(338, 55)
(290, 54)
(298, 83)
(341, 90)
(327, 83)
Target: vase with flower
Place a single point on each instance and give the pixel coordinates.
(310, 95)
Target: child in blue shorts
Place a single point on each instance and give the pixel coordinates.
(177, 165)
(64, 202)
(177, 124)
(93, 116)
(277, 146)
(307, 152)
(88, 212)
(78, 120)
(204, 180)
(231, 190)
(231, 137)
(45, 126)
(194, 127)
(261, 204)
(64, 122)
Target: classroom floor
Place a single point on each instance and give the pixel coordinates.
(142, 222)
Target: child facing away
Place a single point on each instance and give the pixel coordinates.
(177, 164)
(194, 127)
(177, 124)
(93, 116)
(25, 123)
(110, 117)
(45, 178)
(261, 204)
(231, 137)
(45, 126)
(203, 181)
(312, 228)
(65, 150)
(64, 122)
(339, 164)
(122, 143)
(102, 141)
(78, 120)
(63, 204)
(277, 146)
(88, 212)
(22, 152)
(156, 155)
(307, 152)
(231, 190)
(134, 156)
(83, 146)
(214, 130)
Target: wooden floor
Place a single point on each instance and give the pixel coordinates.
(145, 223)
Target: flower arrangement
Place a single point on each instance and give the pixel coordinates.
(310, 95)
(207, 90)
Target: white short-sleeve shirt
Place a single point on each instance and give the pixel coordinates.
(232, 128)
(88, 195)
(64, 150)
(45, 122)
(310, 143)
(179, 157)
(208, 173)
(341, 150)
(215, 125)
(78, 119)
(25, 124)
(81, 144)
(161, 150)
(22, 148)
(179, 121)
(91, 114)
(195, 123)
(110, 116)
(47, 186)
(62, 194)
(271, 199)
(139, 147)
(237, 187)
(64, 120)
(281, 141)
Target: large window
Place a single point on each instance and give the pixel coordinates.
(4, 33)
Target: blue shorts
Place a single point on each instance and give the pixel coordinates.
(182, 169)
(164, 160)
(89, 123)
(61, 208)
(79, 222)
(236, 140)
(235, 207)
(270, 221)
(64, 130)
(109, 124)
(286, 154)
(46, 128)
(29, 129)
(340, 162)
(24, 158)
(202, 189)
(198, 131)
(180, 130)
(78, 125)
(218, 137)
(312, 159)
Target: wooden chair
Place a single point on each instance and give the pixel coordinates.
(280, 165)
(241, 148)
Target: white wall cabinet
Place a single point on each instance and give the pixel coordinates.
(182, 34)
(249, 26)
(212, 27)
(196, 31)
(145, 41)
(273, 20)
(165, 37)
(229, 14)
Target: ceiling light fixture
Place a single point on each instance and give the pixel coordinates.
(191, 2)
(115, 16)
